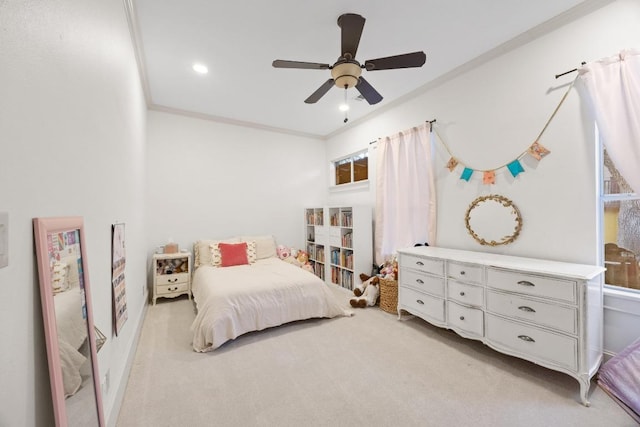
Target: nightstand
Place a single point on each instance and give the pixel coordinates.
(171, 275)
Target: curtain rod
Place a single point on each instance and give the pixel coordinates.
(431, 122)
(570, 71)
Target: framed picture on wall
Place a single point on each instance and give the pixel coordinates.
(118, 263)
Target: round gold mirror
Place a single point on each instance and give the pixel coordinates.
(493, 220)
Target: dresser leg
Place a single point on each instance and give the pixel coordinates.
(585, 385)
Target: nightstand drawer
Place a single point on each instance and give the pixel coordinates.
(172, 279)
(169, 289)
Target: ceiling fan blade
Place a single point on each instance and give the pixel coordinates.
(352, 26)
(279, 63)
(368, 92)
(407, 60)
(319, 93)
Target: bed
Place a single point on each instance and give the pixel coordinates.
(261, 293)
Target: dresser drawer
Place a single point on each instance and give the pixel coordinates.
(465, 293)
(169, 289)
(555, 316)
(172, 279)
(422, 304)
(468, 319)
(533, 343)
(428, 265)
(467, 272)
(545, 287)
(422, 282)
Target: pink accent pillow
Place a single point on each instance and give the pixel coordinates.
(233, 254)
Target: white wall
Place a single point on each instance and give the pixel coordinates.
(72, 126)
(214, 180)
(490, 114)
(73, 123)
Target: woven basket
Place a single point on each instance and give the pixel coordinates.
(389, 295)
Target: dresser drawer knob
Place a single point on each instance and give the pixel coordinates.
(461, 294)
(420, 281)
(461, 317)
(419, 301)
(526, 338)
(527, 309)
(525, 283)
(172, 280)
(420, 263)
(462, 273)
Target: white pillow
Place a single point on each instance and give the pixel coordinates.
(202, 250)
(265, 245)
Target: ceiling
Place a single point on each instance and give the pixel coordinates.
(238, 40)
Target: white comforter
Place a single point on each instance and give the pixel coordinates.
(235, 300)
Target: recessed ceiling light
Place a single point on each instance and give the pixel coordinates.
(200, 68)
(343, 107)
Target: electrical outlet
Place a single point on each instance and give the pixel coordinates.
(4, 239)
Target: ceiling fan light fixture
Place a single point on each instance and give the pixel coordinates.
(346, 74)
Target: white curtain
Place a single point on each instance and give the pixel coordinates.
(405, 192)
(612, 87)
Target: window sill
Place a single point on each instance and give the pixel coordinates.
(353, 186)
(630, 295)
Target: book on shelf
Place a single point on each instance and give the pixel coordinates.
(347, 240)
(346, 219)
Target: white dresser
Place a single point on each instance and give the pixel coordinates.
(547, 312)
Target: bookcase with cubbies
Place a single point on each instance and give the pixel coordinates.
(314, 220)
(339, 243)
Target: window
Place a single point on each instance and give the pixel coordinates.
(351, 169)
(620, 213)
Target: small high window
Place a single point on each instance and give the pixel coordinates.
(351, 169)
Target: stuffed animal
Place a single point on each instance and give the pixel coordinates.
(283, 252)
(390, 269)
(302, 257)
(366, 293)
(299, 258)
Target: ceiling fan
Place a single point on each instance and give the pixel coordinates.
(346, 72)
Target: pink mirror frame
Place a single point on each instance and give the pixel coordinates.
(42, 228)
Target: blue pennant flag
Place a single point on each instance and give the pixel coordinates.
(515, 167)
(466, 174)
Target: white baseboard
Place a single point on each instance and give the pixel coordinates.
(112, 416)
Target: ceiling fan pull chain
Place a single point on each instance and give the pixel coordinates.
(346, 106)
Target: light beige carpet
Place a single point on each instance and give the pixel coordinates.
(367, 370)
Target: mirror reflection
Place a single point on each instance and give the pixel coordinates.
(68, 288)
(493, 220)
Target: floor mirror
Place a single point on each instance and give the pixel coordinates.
(68, 321)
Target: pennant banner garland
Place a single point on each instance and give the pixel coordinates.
(535, 150)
